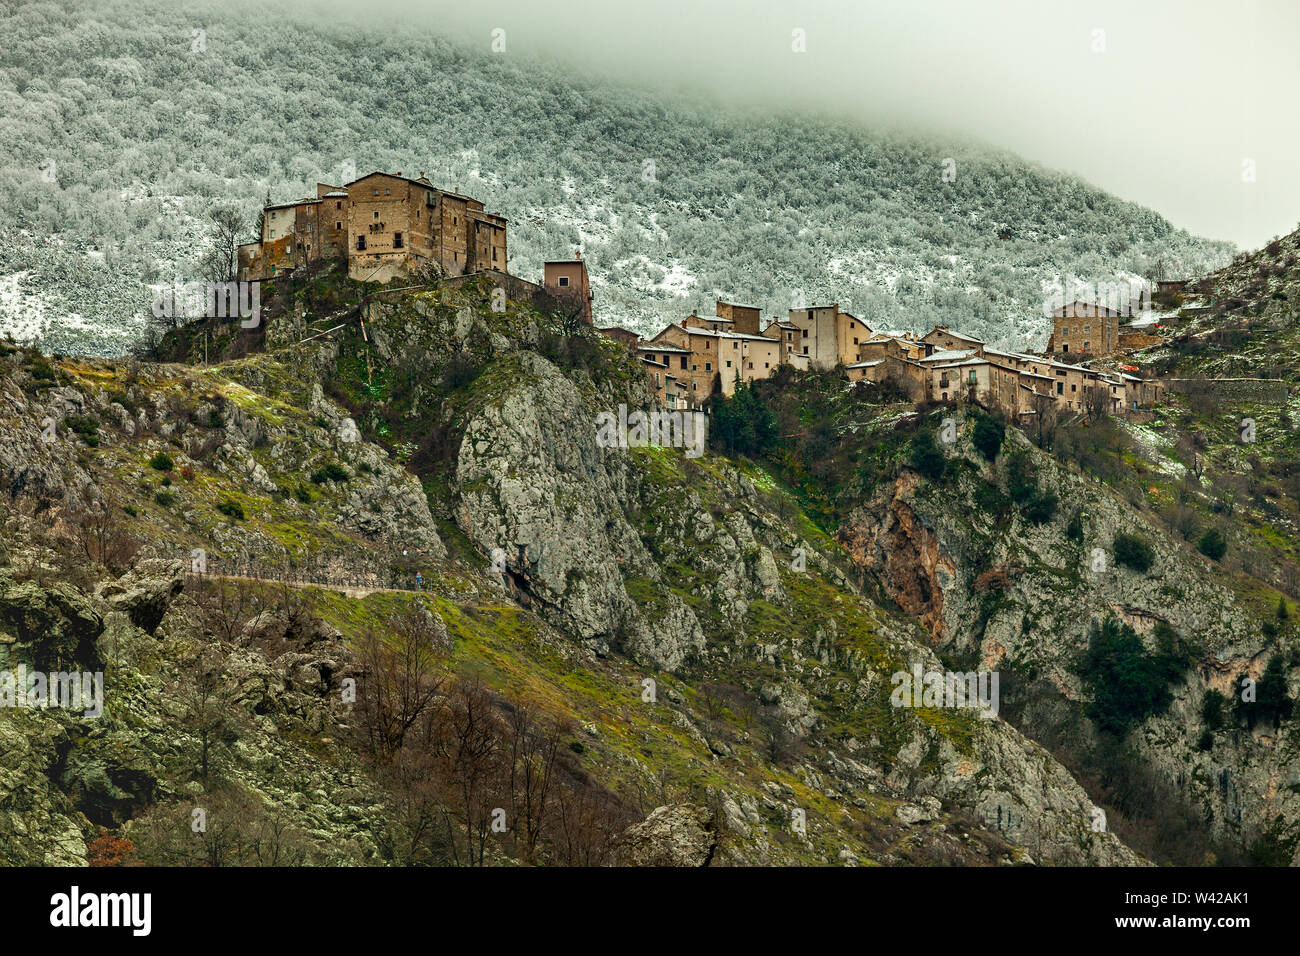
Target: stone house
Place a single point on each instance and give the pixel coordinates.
(1086, 328)
(714, 323)
(827, 336)
(744, 318)
(619, 334)
(786, 334)
(719, 359)
(568, 282)
(382, 225)
(943, 338)
(669, 368)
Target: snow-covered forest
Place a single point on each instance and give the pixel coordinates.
(127, 121)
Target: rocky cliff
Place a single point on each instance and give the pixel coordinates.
(717, 678)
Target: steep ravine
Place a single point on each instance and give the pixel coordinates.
(1006, 593)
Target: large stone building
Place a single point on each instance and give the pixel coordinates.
(383, 226)
(827, 337)
(1084, 328)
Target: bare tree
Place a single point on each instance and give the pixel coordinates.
(1096, 403)
(104, 538)
(1047, 414)
(221, 262)
(209, 710)
(224, 607)
(473, 766)
(534, 744)
(401, 681)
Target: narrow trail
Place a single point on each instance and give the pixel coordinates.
(357, 591)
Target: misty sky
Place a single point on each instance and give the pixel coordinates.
(1180, 96)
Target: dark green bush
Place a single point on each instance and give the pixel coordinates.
(1133, 552)
(926, 456)
(331, 472)
(1022, 480)
(1127, 683)
(1212, 710)
(162, 461)
(743, 424)
(1041, 507)
(1272, 701)
(86, 427)
(987, 436)
(1213, 544)
(231, 508)
(41, 370)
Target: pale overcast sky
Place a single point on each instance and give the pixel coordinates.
(1163, 102)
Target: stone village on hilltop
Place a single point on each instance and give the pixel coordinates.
(385, 226)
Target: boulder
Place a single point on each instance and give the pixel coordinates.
(676, 835)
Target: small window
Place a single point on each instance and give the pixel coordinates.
(338, 225)
(494, 254)
(683, 361)
(376, 192)
(564, 280)
(361, 243)
(387, 191)
(376, 215)
(708, 366)
(805, 350)
(339, 204)
(728, 363)
(397, 240)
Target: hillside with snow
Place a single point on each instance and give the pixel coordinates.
(125, 129)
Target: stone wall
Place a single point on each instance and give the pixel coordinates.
(1268, 390)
